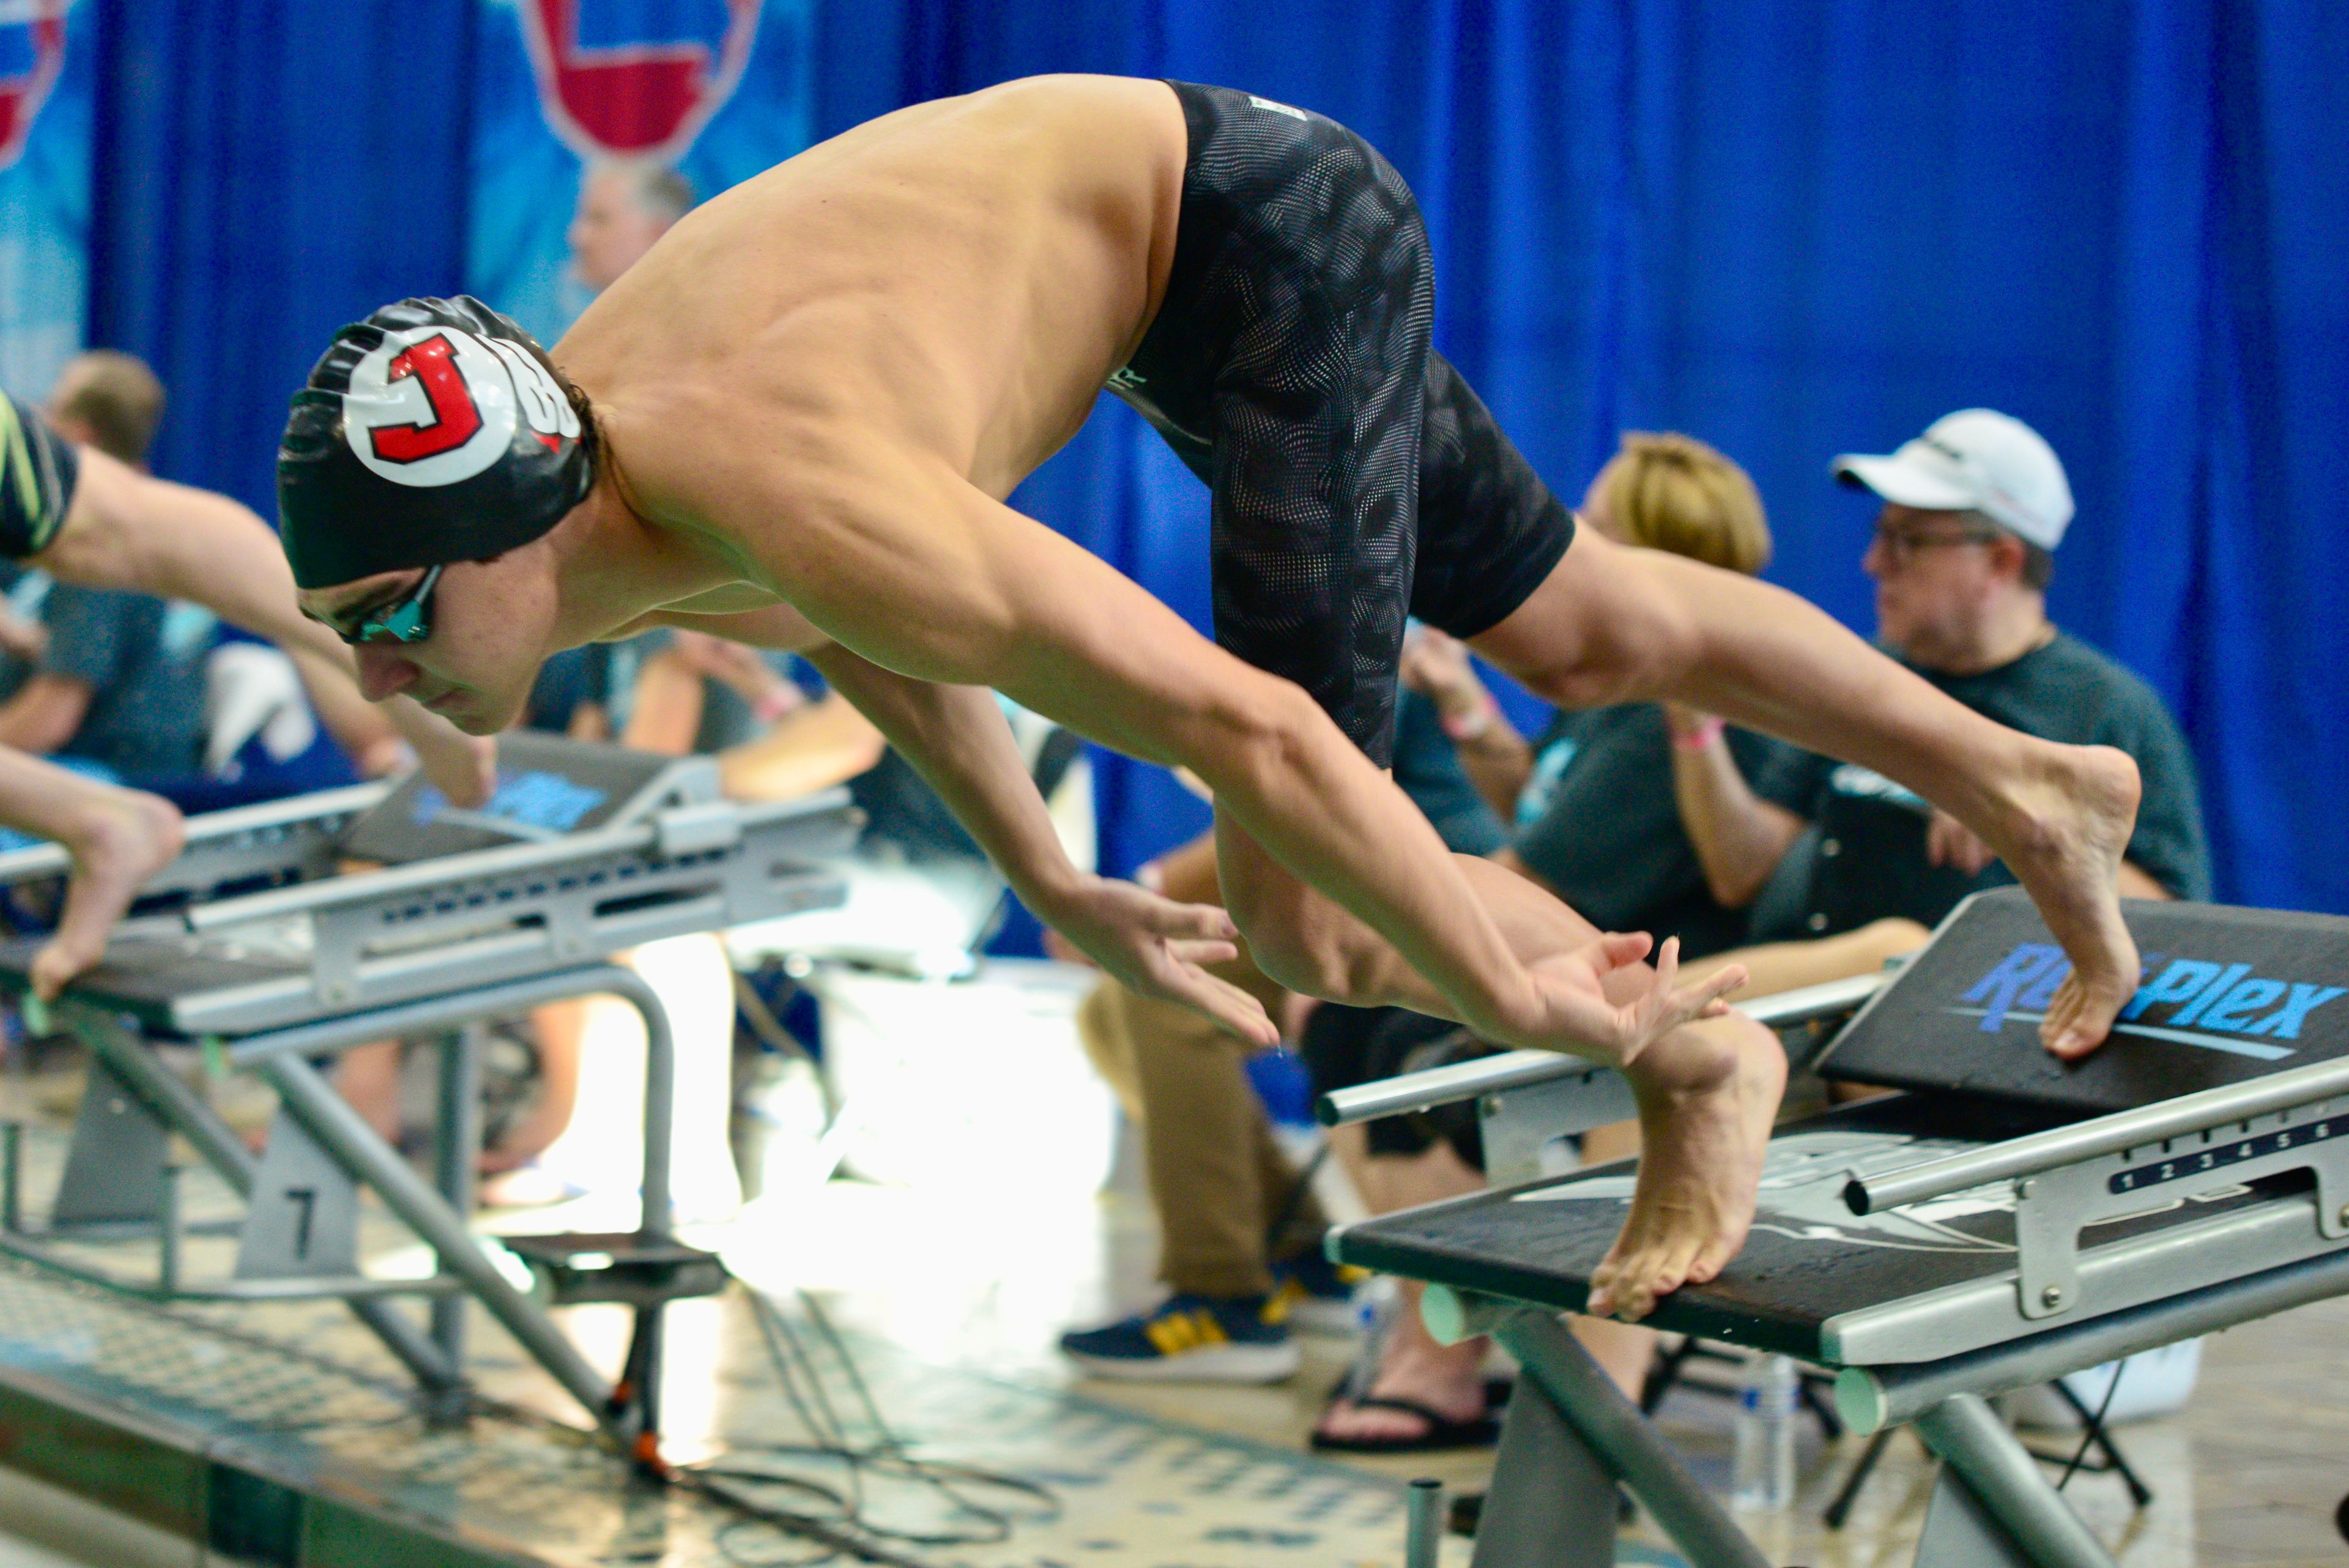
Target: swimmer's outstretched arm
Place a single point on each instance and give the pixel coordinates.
(909, 565)
(957, 739)
(131, 531)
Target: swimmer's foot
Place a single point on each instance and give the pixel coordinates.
(123, 838)
(2070, 817)
(1707, 1095)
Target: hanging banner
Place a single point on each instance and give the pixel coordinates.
(717, 90)
(45, 86)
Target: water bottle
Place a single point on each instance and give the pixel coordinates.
(1376, 1304)
(1764, 1476)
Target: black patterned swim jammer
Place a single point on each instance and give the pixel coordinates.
(1357, 478)
(38, 468)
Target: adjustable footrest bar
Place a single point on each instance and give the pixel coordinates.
(1872, 1398)
(351, 1288)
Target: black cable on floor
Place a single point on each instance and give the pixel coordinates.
(838, 1518)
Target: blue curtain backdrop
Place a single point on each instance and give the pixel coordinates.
(1793, 230)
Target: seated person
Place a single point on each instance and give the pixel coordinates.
(1239, 1237)
(1589, 804)
(108, 690)
(1963, 551)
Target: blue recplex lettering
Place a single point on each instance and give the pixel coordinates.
(2284, 1023)
(1997, 990)
(2182, 980)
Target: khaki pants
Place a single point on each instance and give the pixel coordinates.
(1217, 1178)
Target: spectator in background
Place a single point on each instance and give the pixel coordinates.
(1963, 551)
(1590, 801)
(625, 206)
(110, 401)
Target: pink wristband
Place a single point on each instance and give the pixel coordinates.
(1700, 738)
(1469, 726)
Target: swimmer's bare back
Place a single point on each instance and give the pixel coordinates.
(954, 281)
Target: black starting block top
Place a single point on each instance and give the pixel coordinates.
(1813, 1281)
(2229, 995)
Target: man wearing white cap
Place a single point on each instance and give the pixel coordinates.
(1965, 547)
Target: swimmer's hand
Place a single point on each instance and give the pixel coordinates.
(1155, 947)
(1573, 987)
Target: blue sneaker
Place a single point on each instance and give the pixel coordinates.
(1190, 1339)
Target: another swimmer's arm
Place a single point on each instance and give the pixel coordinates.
(1739, 837)
(131, 532)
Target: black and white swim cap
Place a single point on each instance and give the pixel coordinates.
(435, 431)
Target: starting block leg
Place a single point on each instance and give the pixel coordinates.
(1552, 1501)
(329, 1119)
(1592, 1415)
(456, 1154)
(114, 1169)
(127, 1057)
(1994, 1508)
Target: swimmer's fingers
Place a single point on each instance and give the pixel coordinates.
(1667, 1006)
(1204, 952)
(1219, 999)
(1196, 922)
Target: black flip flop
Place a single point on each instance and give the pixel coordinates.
(1480, 1432)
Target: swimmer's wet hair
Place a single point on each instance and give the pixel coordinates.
(1672, 492)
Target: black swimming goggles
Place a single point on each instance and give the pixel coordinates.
(406, 619)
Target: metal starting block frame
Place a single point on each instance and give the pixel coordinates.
(2129, 1231)
(280, 980)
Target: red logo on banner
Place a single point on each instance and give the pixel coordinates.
(21, 96)
(643, 99)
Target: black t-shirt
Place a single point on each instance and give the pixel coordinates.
(1597, 822)
(1865, 857)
